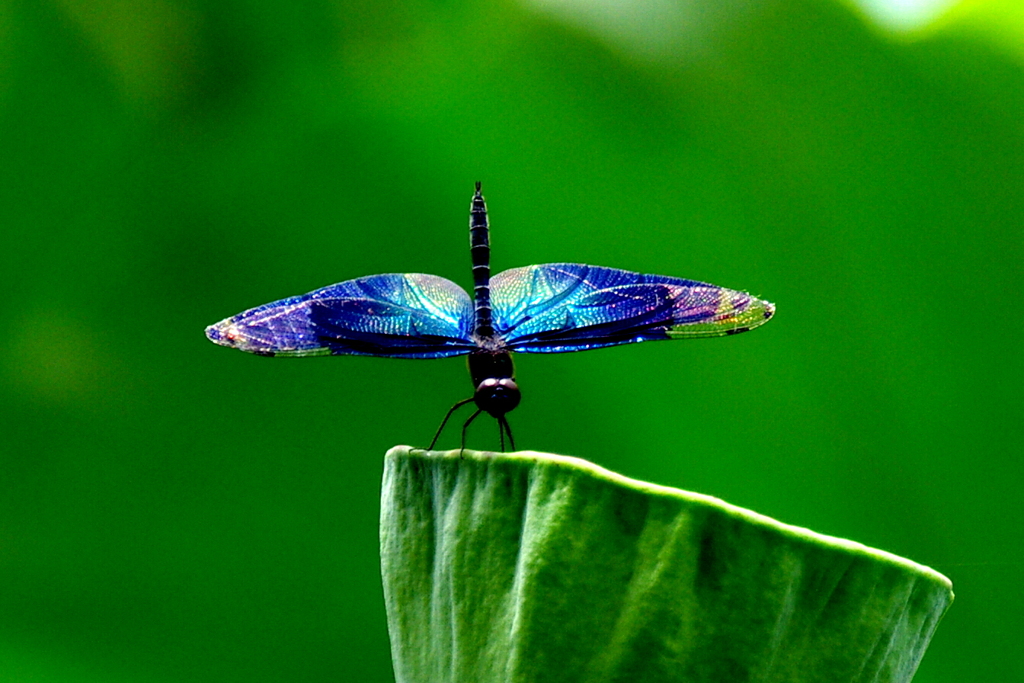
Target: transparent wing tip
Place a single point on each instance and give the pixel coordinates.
(224, 333)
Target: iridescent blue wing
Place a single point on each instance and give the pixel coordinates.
(560, 307)
(394, 315)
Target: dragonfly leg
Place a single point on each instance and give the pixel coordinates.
(503, 423)
(465, 427)
(440, 429)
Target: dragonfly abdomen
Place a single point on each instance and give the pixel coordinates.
(480, 251)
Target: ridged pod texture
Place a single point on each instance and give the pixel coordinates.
(537, 568)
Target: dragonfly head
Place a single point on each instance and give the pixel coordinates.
(497, 395)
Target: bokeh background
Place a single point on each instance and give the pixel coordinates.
(174, 511)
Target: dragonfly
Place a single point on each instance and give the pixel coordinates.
(548, 308)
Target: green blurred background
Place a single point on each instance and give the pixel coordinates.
(173, 511)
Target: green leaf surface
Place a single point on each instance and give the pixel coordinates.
(531, 567)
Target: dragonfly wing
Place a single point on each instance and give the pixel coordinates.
(558, 307)
(393, 315)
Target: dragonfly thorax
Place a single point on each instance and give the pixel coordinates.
(493, 378)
